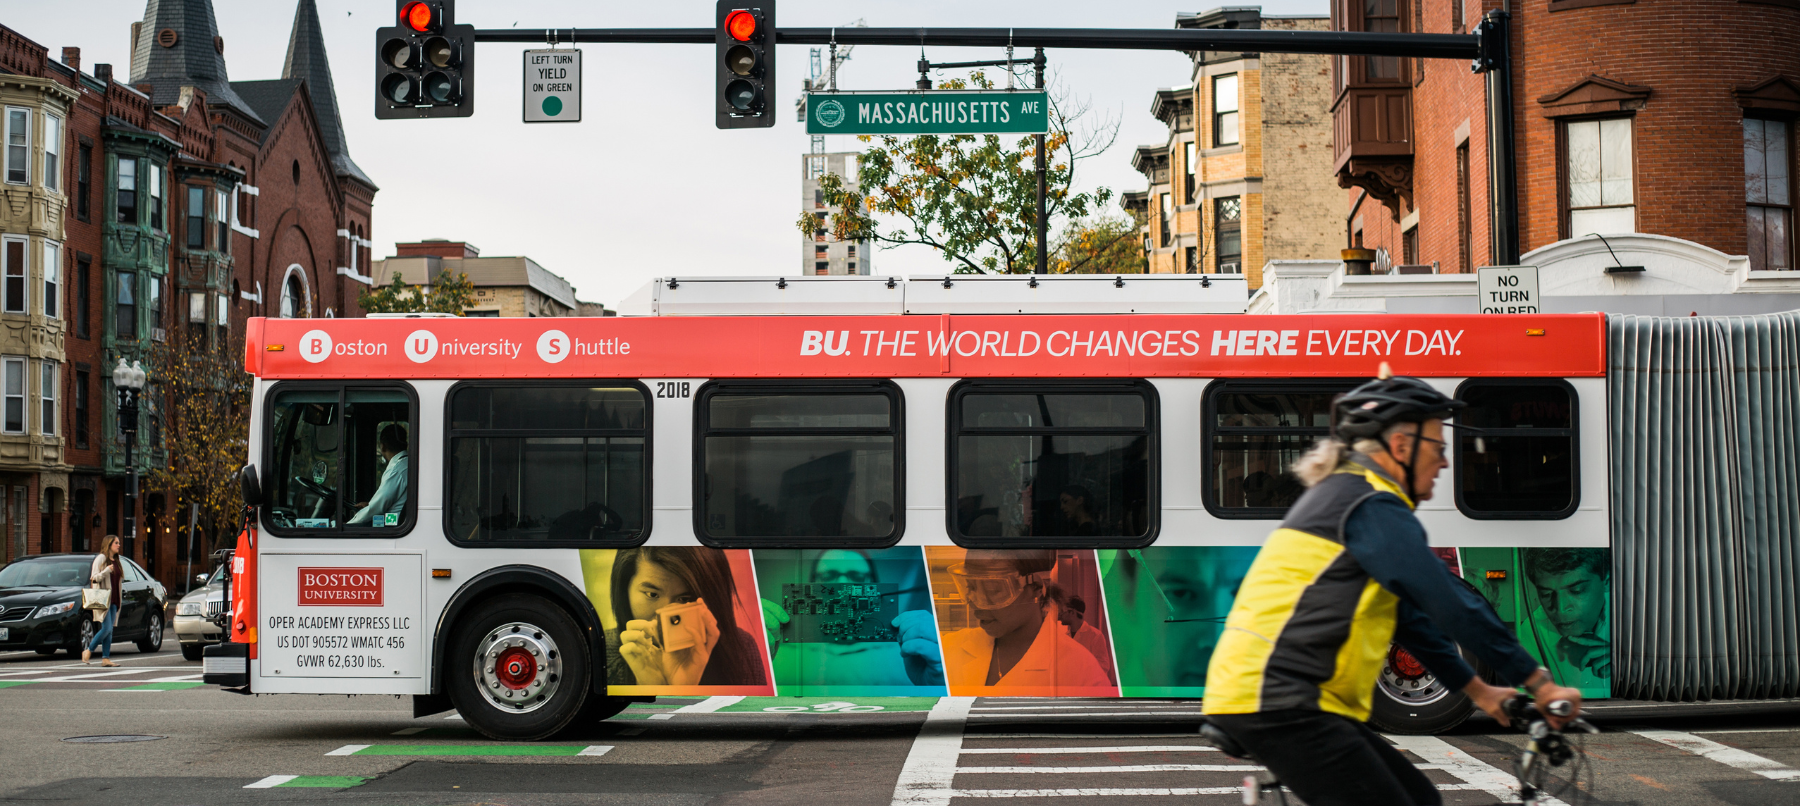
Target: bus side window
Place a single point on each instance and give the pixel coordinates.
(1524, 466)
(550, 462)
(340, 461)
(808, 463)
(1053, 464)
(1253, 432)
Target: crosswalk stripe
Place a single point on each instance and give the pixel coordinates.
(1479, 774)
(1145, 748)
(271, 782)
(931, 764)
(1187, 735)
(1108, 792)
(348, 750)
(1724, 754)
(1114, 769)
(706, 706)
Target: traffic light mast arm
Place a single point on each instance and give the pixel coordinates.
(1349, 43)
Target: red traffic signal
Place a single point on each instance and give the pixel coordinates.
(422, 17)
(740, 25)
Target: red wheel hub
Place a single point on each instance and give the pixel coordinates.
(1405, 665)
(515, 668)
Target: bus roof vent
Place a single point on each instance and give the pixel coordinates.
(954, 293)
(777, 296)
(1077, 293)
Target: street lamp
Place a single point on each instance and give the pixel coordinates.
(128, 382)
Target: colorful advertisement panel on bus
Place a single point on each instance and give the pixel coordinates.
(849, 623)
(678, 620)
(1006, 631)
(1168, 607)
(1559, 601)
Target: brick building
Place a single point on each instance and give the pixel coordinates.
(1631, 116)
(504, 286)
(1244, 175)
(169, 201)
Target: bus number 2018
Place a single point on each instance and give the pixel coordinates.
(673, 389)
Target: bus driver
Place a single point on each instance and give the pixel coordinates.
(390, 494)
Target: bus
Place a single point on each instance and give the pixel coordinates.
(873, 487)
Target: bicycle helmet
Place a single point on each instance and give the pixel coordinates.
(1368, 410)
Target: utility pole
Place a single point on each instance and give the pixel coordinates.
(1043, 254)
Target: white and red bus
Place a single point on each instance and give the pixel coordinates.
(537, 521)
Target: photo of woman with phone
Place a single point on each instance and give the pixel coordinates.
(677, 615)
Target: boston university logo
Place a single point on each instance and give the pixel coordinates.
(341, 587)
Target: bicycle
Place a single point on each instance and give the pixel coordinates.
(1546, 748)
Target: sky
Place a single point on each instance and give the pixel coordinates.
(644, 186)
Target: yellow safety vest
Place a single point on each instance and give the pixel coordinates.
(1310, 629)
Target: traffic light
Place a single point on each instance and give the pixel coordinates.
(745, 45)
(425, 65)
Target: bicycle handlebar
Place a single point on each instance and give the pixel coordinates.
(1523, 712)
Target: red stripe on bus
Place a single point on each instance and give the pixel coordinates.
(1570, 345)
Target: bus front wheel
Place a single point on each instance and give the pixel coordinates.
(518, 668)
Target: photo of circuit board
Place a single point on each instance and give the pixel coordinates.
(840, 613)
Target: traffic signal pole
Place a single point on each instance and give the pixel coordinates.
(1487, 48)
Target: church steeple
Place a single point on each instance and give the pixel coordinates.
(178, 45)
(306, 60)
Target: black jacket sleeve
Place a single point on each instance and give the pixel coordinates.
(1387, 540)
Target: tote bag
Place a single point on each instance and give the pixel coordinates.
(96, 598)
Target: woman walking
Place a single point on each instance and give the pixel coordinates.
(108, 574)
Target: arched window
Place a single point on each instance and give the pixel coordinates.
(294, 299)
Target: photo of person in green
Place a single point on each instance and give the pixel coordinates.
(869, 668)
(1167, 605)
(705, 647)
(1573, 588)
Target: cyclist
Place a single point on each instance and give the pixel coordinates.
(1348, 571)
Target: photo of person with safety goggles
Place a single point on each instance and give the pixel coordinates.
(1017, 642)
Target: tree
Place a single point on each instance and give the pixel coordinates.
(206, 393)
(1100, 245)
(970, 197)
(447, 295)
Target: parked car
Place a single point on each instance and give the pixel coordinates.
(40, 605)
(194, 616)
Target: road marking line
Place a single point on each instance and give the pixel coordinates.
(155, 686)
(11, 683)
(176, 679)
(1189, 735)
(706, 706)
(1480, 775)
(457, 717)
(17, 674)
(1122, 768)
(468, 750)
(1090, 793)
(409, 731)
(931, 764)
(1724, 754)
(76, 677)
(1103, 713)
(271, 782)
(1147, 748)
(1750, 730)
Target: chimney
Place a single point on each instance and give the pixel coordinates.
(72, 58)
(103, 72)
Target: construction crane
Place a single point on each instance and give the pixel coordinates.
(820, 77)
